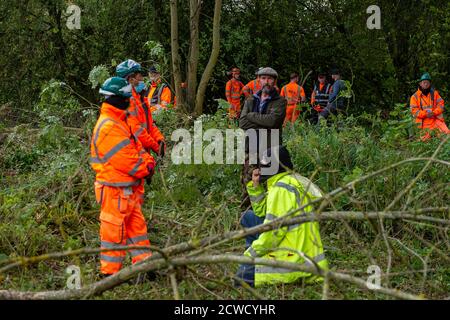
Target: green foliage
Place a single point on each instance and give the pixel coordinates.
(56, 105)
(98, 75)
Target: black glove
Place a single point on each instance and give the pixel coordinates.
(148, 179)
(162, 148)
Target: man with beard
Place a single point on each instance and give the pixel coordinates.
(264, 112)
(427, 108)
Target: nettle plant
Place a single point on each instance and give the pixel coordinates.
(56, 104)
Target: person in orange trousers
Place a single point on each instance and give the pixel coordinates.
(294, 94)
(427, 108)
(233, 93)
(139, 115)
(121, 165)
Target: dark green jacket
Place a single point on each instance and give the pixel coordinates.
(272, 118)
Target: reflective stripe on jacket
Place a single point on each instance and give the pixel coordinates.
(117, 156)
(141, 122)
(321, 94)
(285, 193)
(233, 92)
(159, 94)
(427, 109)
(293, 93)
(251, 88)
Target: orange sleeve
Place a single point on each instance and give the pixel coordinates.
(245, 90)
(228, 91)
(127, 158)
(283, 90)
(166, 96)
(154, 132)
(313, 97)
(415, 108)
(302, 93)
(139, 128)
(439, 102)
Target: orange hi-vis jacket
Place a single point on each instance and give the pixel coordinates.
(159, 95)
(117, 156)
(427, 109)
(250, 88)
(140, 119)
(233, 92)
(293, 93)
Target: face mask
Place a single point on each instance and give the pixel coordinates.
(140, 87)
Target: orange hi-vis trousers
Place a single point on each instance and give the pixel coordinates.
(235, 110)
(292, 113)
(121, 223)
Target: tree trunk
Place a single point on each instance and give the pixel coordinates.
(194, 8)
(200, 98)
(176, 54)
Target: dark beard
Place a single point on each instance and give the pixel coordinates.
(267, 89)
(425, 91)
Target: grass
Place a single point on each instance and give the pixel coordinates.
(47, 205)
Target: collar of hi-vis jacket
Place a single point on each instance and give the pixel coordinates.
(274, 179)
(155, 83)
(113, 112)
(430, 95)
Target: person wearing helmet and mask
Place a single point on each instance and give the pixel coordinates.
(139, 116)
(275, 192)
(264, 110)
(121, 164)
(427, 108)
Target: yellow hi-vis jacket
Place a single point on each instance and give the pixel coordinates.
(285, 193)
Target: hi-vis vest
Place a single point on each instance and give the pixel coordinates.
(285, 193)
(156, 97)
(321, 97)
(293, 96)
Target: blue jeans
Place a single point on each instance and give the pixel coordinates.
(249, 220)
(246, 272)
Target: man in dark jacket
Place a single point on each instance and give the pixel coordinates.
(264, 110)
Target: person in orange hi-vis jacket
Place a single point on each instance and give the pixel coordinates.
(121, 164)
(427, 108)
(252, 86)
(139, 116)
(233, 93)
(294, 94)
(159, 94)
